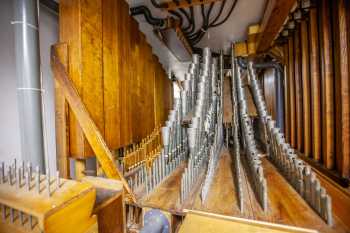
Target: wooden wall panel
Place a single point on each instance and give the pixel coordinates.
(342, 88)
(305, 87)
(298, 91)
(85, 63)
(136, 87)
(114, 71)
(286, 94)
(125, 97)
(269, 84)
(111, 69)
(69, 21)
(327, 87)
(292, 91)
(315, 85)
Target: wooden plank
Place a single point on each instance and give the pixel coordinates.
(315, 85)
(292, 92)
(91, 63)
(70, 22)
(327, 87)
(124, 75)
(111, 80)
(343, 90)
(90, 129)
(269, 85)
(286, 93)
(61, 117)
(171, 6)
(298, 91)
(273, 20)
(196, 221)
(136, 80)
(305, 87)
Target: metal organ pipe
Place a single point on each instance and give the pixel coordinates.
(285, 158)
(29, 89)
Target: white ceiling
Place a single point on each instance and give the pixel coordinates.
(246, 12)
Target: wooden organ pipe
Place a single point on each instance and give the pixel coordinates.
(305, 87)
(292, 91)
(327, 85)
(342, 89)
(298, 92)
(286, 94)
(315, 85)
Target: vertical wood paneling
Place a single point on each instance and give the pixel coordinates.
(292, 92)
(111, 72)
(327, 87)
(298, 91)
(70, 33)
(124, 77)
(136, 87)
(342, 89)
(306, 87)
(315, 86)
(286, 94)
(92, 88)
(115, 72)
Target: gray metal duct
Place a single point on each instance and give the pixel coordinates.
(28, 80)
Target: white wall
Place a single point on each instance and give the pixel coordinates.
(9, 125)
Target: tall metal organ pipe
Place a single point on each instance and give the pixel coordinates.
(29, 90)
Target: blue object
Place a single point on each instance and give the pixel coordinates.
(155, 221)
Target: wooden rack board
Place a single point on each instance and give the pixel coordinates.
(211, 223)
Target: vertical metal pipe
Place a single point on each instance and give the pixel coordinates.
(27, 52)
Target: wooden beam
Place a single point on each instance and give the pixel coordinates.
(305, 86)
(171, 6)
(327, 87)
(315, 85)
(298, 91)
(91, 131)
(343, 89)
(276, 12)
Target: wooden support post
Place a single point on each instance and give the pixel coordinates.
(80, 167)
(298, 90)
(342, 89)
(327, 87)
(61, 116)
(305, 87)
(315, 85)
(292, 92)
(286, 93)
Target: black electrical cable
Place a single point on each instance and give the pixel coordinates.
(197, 33)
(156, 4)
(178, 16)
(219, 14)
(203, 30)
(227, 16)
(193, 24)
